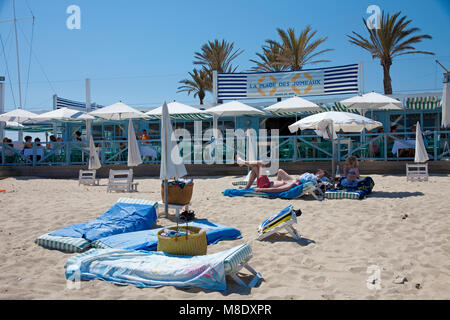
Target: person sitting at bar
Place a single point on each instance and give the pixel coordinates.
(143, 136)
(28, 142)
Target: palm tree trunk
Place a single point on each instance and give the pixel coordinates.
(387, 82)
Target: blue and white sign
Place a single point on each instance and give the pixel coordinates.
(307, 82)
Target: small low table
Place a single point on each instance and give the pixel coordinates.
(177, 208)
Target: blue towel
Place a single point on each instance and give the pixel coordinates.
(120, 218)
(292, 193)
(148, 239)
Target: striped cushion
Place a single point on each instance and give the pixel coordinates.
(342, 195)
(98, 244)
(64, 244)
(138, 201)
(241, 183)
(242, 254)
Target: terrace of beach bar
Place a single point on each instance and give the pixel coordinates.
(304, 146)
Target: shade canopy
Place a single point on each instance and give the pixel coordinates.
(421, 154)
(134, 154)
(179, 111)
(233, 108)
(17, 115)
(446, 106)
(293, 105)
(172, 165)
(118, 111)
(62, 114)
(13, 125)
(372, 100)
(345, 121)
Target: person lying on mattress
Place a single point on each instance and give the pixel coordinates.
(284, 181)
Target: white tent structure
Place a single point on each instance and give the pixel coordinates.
(371, 101)
(179, 110)
(293, 105)
(334, 121)
(121, 111)
(446, 106)
(172, 165)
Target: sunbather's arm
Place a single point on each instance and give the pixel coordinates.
(277, 189)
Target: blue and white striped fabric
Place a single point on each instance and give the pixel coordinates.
(75, 105)
(155, 268)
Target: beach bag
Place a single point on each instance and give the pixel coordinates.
(187, 244)
(179, 193)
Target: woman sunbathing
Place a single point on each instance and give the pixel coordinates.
(284, 181)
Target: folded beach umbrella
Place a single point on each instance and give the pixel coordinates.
(328, 123)
(372, 100)
(446, 106)
(293, 106)
(94, 161)
(134, 154)
(172, 165)
(421, 154)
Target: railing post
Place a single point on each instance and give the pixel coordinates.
(435, 146)
(294, 145)
(385, 146)
(67, 146)
(3, 152)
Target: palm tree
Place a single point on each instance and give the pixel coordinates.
(217, 56)
(393, 38)
(199, 83)
(298, 51)
(269, 59)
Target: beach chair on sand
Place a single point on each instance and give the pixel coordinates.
(88, 177)
(417, 172)
(283, 220)
(121, 180)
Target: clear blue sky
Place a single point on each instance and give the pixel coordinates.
(137, 51)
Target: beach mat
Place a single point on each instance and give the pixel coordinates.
(292, 193)
(148, 239)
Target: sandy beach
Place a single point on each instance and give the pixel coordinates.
(402, 228)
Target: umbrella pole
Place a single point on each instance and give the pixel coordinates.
(166, 198)
(333, 151)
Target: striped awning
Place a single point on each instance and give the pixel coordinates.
(183, 116)
(423, 103)
(336, 107)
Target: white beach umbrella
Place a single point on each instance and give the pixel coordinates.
(62, 114)
(233, 108)
(179, 110)
(17, 115)
(172, 165)
(13, 125)
(335, 121)
(293, 105)
(118, 111)
(94, 161)
(371, 101)
(421, 154)
(446, 106)
(134, 154)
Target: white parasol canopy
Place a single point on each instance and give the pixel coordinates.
(293, 105)
(179, 111)
(17, 115)
(14, 125)
(233, 108)
(134, 154)
(62, 114)
(446, 106)
(334, 121)
(118, 111)
(372, 100)
(421, 154)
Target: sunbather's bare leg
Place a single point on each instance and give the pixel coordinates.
(283, 176)
(241, 162)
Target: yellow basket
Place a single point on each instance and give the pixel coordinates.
(177, 195)
(194, 244)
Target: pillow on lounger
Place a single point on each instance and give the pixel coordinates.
(64, 244)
